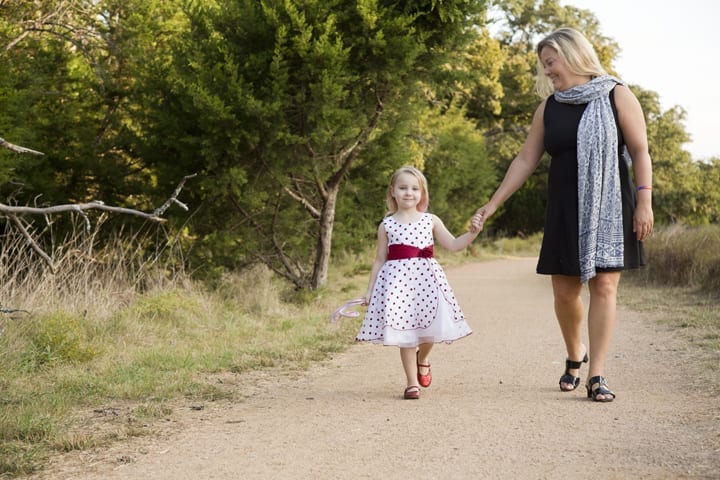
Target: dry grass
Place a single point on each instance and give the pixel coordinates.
(684, 256)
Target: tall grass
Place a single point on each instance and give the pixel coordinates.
(684, 256)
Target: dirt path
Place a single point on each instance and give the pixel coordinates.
(494, 410)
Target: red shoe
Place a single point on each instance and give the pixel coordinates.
(424, 380)
(412, 393)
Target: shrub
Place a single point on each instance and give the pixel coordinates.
(56, 337)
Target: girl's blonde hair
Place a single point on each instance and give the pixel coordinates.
(422, 206)
(575, 50)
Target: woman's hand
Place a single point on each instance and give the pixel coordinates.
(643, 222)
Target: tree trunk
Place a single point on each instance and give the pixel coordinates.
(322, 255)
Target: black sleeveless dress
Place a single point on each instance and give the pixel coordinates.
(559, 253)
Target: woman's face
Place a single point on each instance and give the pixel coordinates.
(557, 71)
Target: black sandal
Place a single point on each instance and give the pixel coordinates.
(601, 389)
(571, 379)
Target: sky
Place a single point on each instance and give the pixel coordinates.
(673, 49)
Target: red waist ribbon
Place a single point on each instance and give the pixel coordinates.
(400, 251)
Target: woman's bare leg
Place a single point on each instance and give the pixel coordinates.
(602, 315)
(569, 312)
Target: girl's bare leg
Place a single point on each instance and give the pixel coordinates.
(408, 358)
(423, 354)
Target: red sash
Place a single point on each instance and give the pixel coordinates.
(400, 251)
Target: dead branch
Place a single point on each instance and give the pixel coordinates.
(98, 205)
(78, 208)
(32, 242)
(13, 212)
(7, 310)
(17, 148)
(173, 197)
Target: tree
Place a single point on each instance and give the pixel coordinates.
(69, 86)
(279, 101)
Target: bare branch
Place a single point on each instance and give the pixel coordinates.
(304, 202)
(295, 267)
(79, 208)
(12, 310)
(348, 155)
(173, 197)
(98, 205)
(291, 270)
(18, 148)
(12, 212)
(32, 243)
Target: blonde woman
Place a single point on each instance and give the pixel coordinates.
(593, 128)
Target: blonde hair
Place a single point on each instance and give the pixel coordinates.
(575, 50)
(422, 206)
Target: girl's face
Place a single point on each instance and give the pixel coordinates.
(407, 191)
(557, 71)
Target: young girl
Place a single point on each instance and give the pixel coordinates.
(410, 303)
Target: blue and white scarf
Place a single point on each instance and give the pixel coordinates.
(600, 218)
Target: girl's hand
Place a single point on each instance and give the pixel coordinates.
(478, 220)
(476, 223)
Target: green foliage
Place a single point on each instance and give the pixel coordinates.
(57, 337)
(286, 100)
(74, 101)
(459, 174)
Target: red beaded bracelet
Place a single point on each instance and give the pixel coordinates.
(644, 187)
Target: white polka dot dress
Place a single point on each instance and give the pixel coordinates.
(412, 302)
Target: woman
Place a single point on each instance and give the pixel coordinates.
(596, 219)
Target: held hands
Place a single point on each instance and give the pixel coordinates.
(477, 222)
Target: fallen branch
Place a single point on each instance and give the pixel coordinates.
(98, 205)
(14, 212)
(78, 208)
(12, 310)
(32, 242)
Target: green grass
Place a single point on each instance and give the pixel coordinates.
(142, 353)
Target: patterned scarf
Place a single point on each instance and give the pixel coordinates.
(600, 222)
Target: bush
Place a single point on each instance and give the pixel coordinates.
(57, 337)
